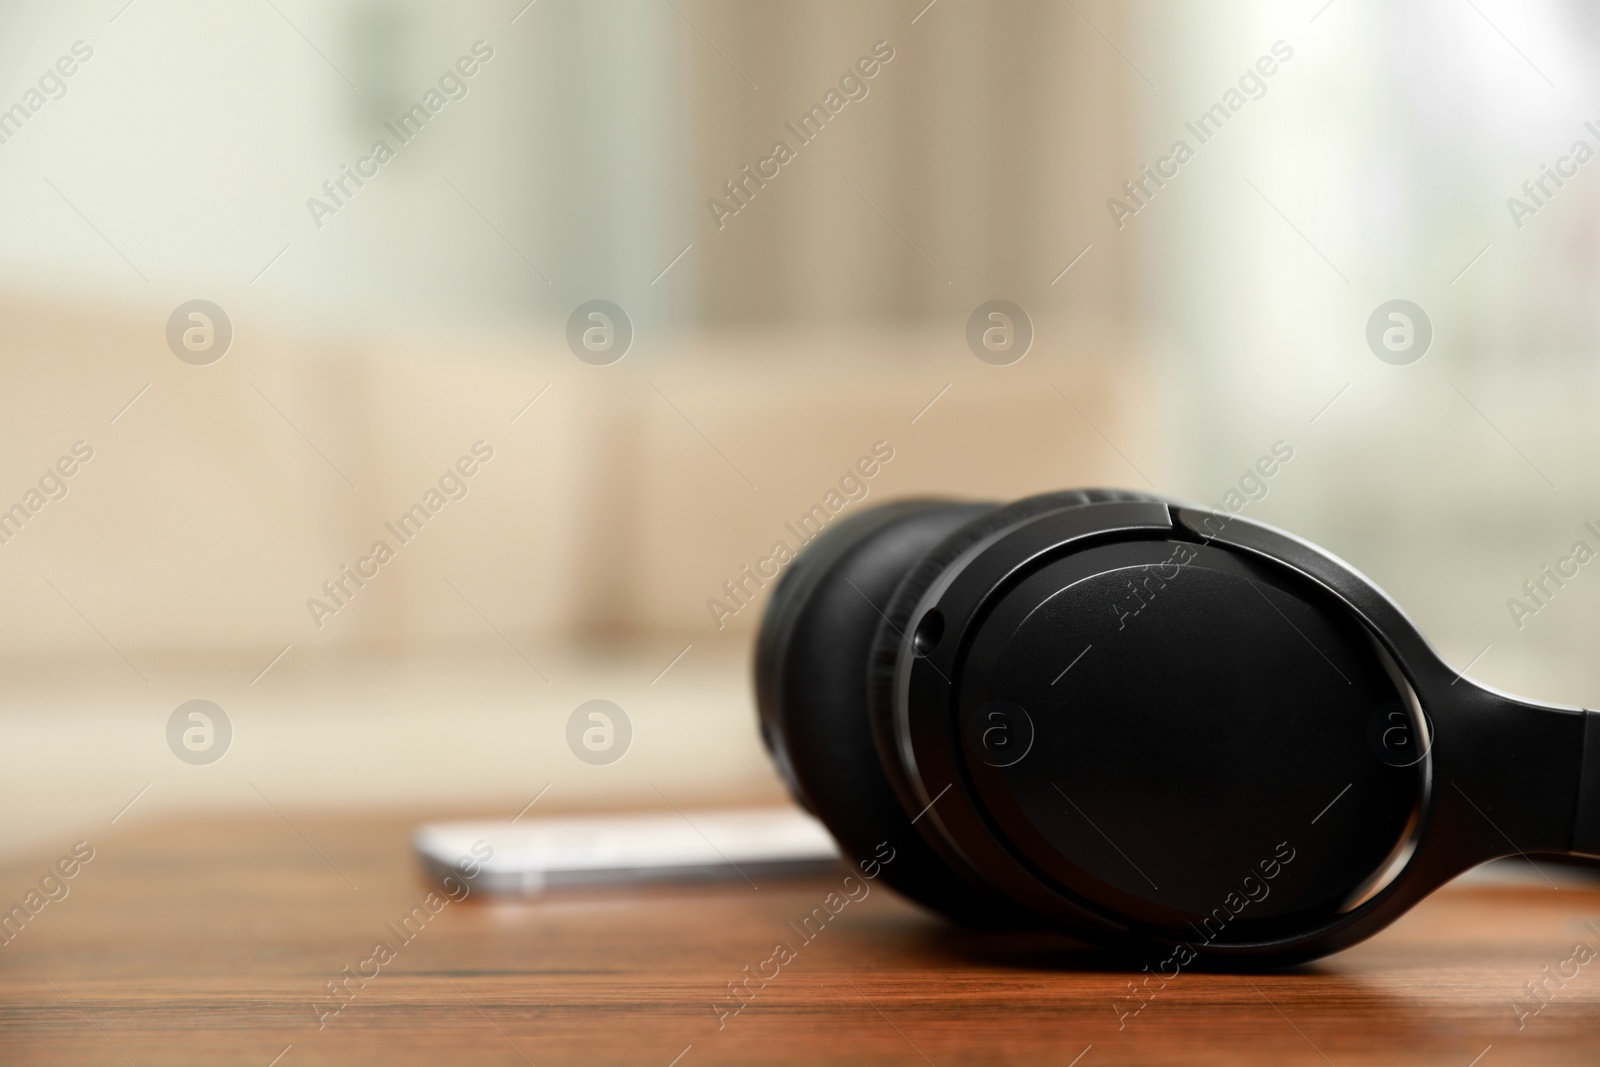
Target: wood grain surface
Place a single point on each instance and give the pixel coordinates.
(212, 941)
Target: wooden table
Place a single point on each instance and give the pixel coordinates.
(211, 941)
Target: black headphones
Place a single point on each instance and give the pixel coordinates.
(1155, 727)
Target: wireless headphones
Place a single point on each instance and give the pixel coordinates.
(1151, 726)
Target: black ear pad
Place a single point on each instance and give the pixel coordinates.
(811, 685)
(920, 578)
(790, 601)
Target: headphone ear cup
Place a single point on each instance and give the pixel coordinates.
(811, 682)
(919, 578)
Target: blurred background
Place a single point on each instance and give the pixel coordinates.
(375, 329)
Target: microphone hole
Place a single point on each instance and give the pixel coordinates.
(928, 632)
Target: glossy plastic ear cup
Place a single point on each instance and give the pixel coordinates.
(918, 579)
(811, 683)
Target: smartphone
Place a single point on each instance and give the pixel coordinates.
(526, 856)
